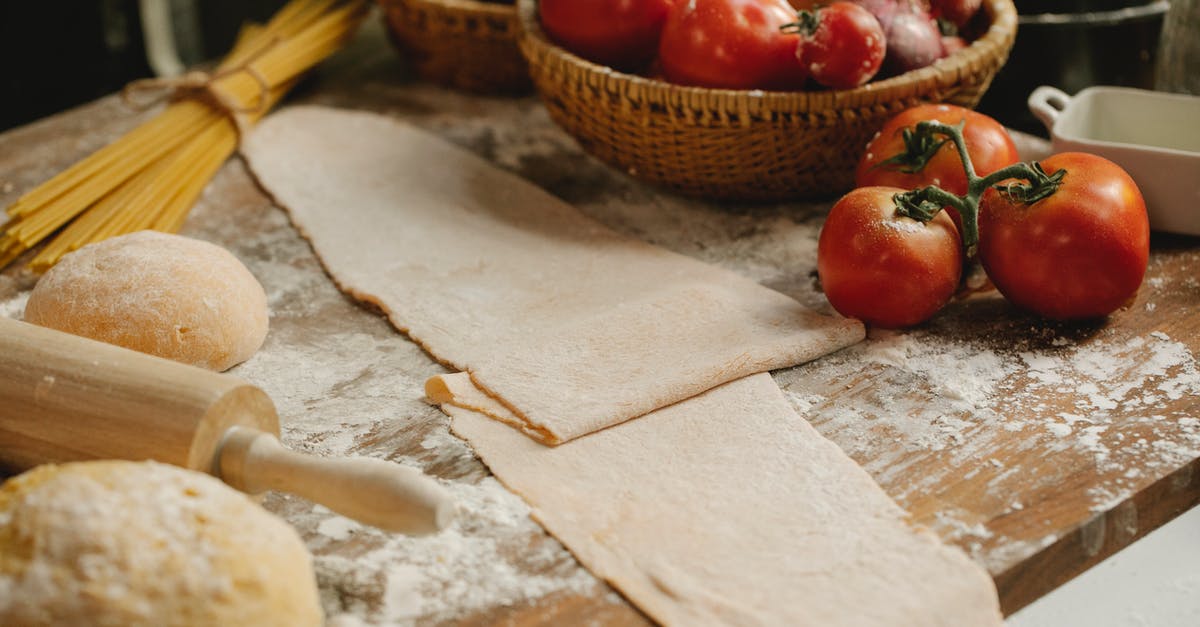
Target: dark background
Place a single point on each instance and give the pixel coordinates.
(1095, 46)
(56, 55)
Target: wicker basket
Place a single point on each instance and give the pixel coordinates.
(745, 145)
(464, 44)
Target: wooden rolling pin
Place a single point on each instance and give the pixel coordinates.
(68, 398)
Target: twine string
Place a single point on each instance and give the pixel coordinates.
(203, 86)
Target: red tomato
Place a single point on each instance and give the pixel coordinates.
(1079, 253)
(846, 48)
(988, 144)
(620, 33)
(884, 269)
(731, 44)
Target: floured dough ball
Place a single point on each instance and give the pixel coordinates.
(142, 543)
(167, 295)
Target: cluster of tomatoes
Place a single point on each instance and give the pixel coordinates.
(759, 44)
(1066, 238)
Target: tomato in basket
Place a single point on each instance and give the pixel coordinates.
(731, 44)
(842, 45)
(622, 34)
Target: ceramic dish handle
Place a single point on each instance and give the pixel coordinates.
(1047, 103)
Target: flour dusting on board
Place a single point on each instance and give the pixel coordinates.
(965, 394)
(14, 307)
(463, 570)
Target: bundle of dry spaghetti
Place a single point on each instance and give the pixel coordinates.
(151, 177)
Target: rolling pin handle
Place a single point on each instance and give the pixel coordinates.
(372, 491)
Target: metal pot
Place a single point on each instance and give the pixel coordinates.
(1072, 44)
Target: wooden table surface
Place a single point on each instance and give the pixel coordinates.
(1038, 448)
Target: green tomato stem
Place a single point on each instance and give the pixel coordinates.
(919, 148)
(923, 204)
(805, 25)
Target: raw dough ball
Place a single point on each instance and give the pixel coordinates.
(142, 543)
(166, 295)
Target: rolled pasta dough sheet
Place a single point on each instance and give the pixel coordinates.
(730, 509)
(570, 326)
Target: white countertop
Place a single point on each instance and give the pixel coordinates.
(1154, 582)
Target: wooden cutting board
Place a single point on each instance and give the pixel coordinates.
(1052, 447)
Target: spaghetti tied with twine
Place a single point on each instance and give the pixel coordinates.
(151, 176)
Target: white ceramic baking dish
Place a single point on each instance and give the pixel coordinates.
(1154, 136)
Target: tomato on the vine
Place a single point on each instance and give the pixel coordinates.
(623, 34)
(988, 144)
(731, 44)
(1080, 252)
(842, 45)
(883, 268)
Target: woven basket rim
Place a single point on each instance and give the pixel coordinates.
(994, 43)
(495, 9)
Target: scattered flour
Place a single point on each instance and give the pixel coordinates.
(1059, 429)
(337, 527)
(961, 529)
(1060, 395)
(1006, 551)
(952, 383)
(904, 226)
(463, 570)
(14, 307)
(964, 383)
